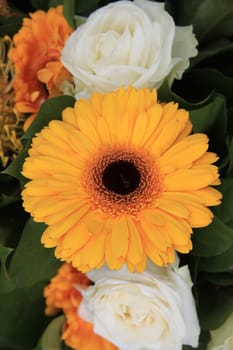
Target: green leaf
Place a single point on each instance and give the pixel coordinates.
(55, 3)
(211, 120)
(31, 262)
(8, 185)
(215, 305)
(206, 117)
(22, 317)
(211, 49)
(220, 278)
(229, 171)
(15, 167)
(40, 4)
(12, 220)
(165, 94)
(210, 18)
(212, 240)
(68, 11)
(21, 294)
(11, 27)
(230, 128)
(85, 7)
(5, 281)
(211, 80)
(51, 338)
(224, 211)
(218, 263)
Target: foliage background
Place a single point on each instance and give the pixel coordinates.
(206, 90)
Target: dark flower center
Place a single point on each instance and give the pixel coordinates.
(121, 177)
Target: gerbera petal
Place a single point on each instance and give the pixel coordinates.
(152, 251)
(122, 129)
(184, 152)
(62, 226)
(73, 241)
(45, 148)
(208, 196)
(48, 241)
(65, 205)
(69, 116)
(109, 112)
(207, 158)
(78, 209)
(168, 112)
(139, 129)
(96, 101)
(88, 128)
(84, 109)
(154, 115)
(190, 179)
(53, 139)
(172, 207)
(184, 248)
(169, 133)
(135, 252)
(81, 144)
(156, 234)
(186, 131)
(113, 262)
(92, 253)
(60, 129)
(178, 230)
(136, 103)
(103, 130)
(197, 214)
(37, 167)
(119, 237)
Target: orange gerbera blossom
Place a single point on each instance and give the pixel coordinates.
(120, 179)
(38, 43)
(62, 294)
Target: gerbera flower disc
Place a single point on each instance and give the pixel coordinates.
(38, 44)
(62, 295)
(120, 179)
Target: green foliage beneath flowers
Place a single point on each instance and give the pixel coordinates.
(23, 275)
(206, 90)
(26, 267)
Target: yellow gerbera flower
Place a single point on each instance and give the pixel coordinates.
(62, 294)
(120, 179)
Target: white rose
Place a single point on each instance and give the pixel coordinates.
(153, 310)
(222, 338)
(128, 43)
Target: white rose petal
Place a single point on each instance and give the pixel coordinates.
(153, 310)
(128, 43)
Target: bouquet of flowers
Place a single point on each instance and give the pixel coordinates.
(116, 139)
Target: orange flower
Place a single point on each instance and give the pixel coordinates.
(38, 43)
(79, 335)
(61, 294)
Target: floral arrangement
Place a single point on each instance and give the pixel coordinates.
(116, 221)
